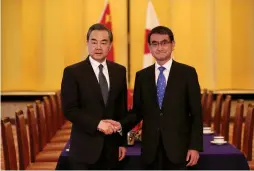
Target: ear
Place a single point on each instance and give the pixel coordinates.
(150, 48)
(173, 45)
(110, 46)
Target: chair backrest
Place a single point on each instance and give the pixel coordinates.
(203, 101)
(59, 106)
(48, 116)
(226, 117)
(217, 113)
(33, 132)
(248, 132)
(55, 116)
(10, 159)
(23, 145)
(237, 129)
(208, 109)
(42, 126)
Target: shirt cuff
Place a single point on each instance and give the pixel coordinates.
(120, 131)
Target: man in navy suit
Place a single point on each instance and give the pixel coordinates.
(94, 92)
(167, 97)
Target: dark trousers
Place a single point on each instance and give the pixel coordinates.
(161, 161)
(101, 164)
(105, 162)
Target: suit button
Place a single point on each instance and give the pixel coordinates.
(161, 114)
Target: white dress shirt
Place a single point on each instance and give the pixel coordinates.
(166, 72)
(95, 64)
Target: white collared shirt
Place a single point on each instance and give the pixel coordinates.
(95, 64)
(166, 72)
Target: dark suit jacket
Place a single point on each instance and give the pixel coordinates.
(179, 121)
(83, 105)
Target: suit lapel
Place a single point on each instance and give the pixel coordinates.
(170, 83)
(91, 77)
(111, 80)
(151, 77)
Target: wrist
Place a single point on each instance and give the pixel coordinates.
(99, 125)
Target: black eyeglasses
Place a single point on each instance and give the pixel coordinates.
(163, 44)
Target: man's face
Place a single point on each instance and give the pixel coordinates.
(161, 47)
(99, 45)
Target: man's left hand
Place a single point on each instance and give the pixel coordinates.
(122, 153)
(192, 157)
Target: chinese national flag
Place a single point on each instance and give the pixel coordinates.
(106, 20)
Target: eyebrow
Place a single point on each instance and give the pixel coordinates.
(154, 41)
(103, 40)
(160, 41)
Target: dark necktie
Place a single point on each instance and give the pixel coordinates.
(161, 86)
(103, 84)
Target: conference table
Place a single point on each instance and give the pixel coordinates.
(214, 157)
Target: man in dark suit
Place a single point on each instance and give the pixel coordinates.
(93, 93)
(167, 98)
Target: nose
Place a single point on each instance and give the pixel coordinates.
(159, 46)
(98, 46)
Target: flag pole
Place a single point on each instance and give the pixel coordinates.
(104, 9)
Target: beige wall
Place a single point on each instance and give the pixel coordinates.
(41, 37)
(214, 36)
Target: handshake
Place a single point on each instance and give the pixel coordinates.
(109, 126)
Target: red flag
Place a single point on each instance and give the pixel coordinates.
(106, 20)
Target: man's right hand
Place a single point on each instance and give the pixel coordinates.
(105, 127)
(117, 126)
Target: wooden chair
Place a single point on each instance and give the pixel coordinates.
(55, 114)
(37, 156)
(24, 158)
(248, 136)
(248, 133)
(42, 126)
(49, 118)
(9, 151)
(208, 109)
(217, 113)
(59, 107)
(203, 98)
(34, 136)
(238, 122)
(226, 117)
(64, 123)
(52, 136)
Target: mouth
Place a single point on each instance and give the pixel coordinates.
(161, 54)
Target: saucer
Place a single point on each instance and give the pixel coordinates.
(210, 132)
(218, 143)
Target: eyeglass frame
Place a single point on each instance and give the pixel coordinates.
(163, 43)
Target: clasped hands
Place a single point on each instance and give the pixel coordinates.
(109, 126)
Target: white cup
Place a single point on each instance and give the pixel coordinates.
(207, 130)
(218, 139)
